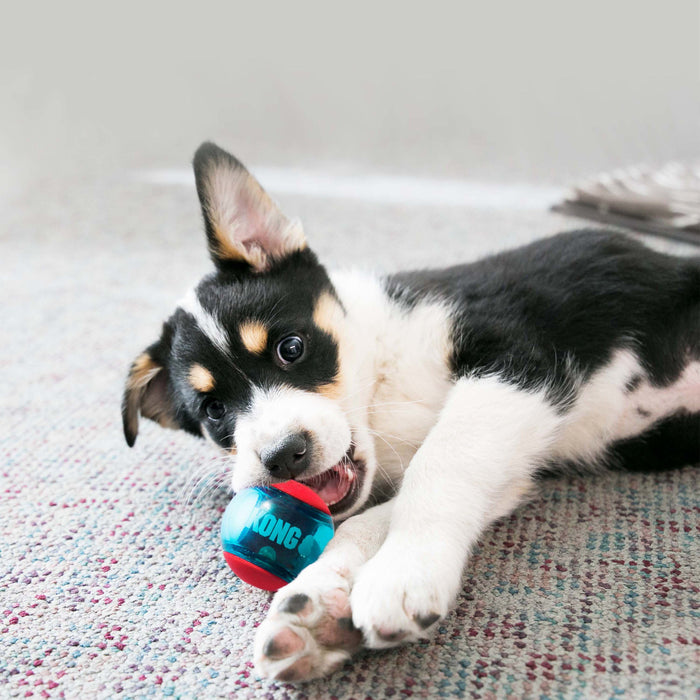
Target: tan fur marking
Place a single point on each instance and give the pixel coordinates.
(143, 370)
(328, 315)
(332, 390)
(254, 336)
(226, 249)
(138, 400)
(247, 225)
(201, 378)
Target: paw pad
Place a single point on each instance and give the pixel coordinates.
(298, 671)
(339, 633)
(425, 621)
(285, 643)
(308, 633)
(295, 604)
(391, 635)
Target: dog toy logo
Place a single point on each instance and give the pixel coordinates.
(269, 534)
(275, 529)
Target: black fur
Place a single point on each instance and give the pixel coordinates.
(284, 297)
(633, 383)
(206, 154)
(547, 314)
(551, 313)
(671, 443)
(579, 295)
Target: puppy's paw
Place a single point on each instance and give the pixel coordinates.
(308, 632)
(399, 596)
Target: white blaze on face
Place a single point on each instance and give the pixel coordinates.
(277, 412)
(209, 325)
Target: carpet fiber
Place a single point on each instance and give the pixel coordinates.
(111, 577)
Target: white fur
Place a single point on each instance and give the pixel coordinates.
(395, 377)
(660, 402)
(326, 583)
(487, 443)
(209, 325)
(605, 411)
(275, 413)
(471, 448)
(396, 365)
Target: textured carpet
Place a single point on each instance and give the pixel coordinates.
(111, 578)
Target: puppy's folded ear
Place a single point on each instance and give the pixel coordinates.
(243, 224)
(147, 391)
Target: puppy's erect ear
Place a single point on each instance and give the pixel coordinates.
(147, 390)
(243, 224)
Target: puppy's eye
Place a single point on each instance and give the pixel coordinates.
(214, 409)
(290, 349)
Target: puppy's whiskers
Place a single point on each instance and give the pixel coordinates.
(390, 446)
(207, 487)
(359, 390)
(203, 482)
(191, 480)
(382, 492)
(403, 441)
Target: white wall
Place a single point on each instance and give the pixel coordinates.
(505, 90)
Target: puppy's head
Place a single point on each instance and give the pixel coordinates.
(252, 357)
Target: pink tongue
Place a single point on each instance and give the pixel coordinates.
(332, 486)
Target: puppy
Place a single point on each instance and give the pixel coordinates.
(420, 406)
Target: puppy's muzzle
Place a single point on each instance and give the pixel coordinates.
(288, 457)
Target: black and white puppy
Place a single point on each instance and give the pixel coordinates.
(420, 406)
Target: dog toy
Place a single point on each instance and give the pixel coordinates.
(270, 533)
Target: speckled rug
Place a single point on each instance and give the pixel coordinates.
(111, 578)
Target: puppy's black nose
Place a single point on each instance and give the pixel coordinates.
(288, 457)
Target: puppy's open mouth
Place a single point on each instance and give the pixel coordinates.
(340, 485)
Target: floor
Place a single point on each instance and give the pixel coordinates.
(111, 576)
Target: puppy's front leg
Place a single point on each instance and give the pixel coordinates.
(475, 465)
(308, 631)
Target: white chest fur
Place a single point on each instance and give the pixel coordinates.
(397, 362)
(398, 359)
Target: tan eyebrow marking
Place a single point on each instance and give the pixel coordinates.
(328, 315)
(201, 378)
(254, 336)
